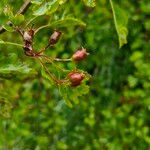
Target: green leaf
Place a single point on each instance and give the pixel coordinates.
(42, 10)
(47, 8)
(132, 81)
(18, 19)
(62, 1)
(63, 22)
(52, 7)
(3, 19)
(37, 2)
(72, 95)
(46, 76)
(121, 21)
(90, 3)
(14, 71)
(63, 90)
(137, 55)
(68, 20)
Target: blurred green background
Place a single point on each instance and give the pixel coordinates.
(115, 113)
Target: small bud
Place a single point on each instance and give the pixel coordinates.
(54, 37)
(80, 55)
(75, 78)
(28, 35)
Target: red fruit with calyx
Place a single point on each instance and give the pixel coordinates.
(79, 55)
(75, 78)
(54, 37)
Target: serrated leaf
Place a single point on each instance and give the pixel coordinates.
(90, 3)
(63, 90)
(52, 7)
(42, 10)
(19, 18)
(72, 95)
(18, 70)
(67, 101)
(45, 75)
(83, 89)
(47, 8)
(121, 21)
(68, 20)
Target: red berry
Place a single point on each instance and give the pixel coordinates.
(75, 78)
(80, 55)
(54, 37)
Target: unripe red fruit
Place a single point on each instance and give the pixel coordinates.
(80, 55)
(75, 78)
(54, 37)
(27, 46)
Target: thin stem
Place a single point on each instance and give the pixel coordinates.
(49, 59)
(46, 47)
(42, 27)
(10, 43)
(62, 60)
(57, 81)
(50, 74)
(31, 20)
(48, 25)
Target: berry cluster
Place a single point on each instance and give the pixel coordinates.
(74, 77)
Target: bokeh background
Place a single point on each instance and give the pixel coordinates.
(115, 113)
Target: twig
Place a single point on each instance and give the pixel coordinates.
(52, 77)
(42, 27)
(50, 60)
(22, 10)
(31, 20)
(57, 81)
(24, 7)
(62, 60)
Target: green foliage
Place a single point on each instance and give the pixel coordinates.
(72, 95)
(90, 3)
(11, 71)
(46, 7)
(18, 19)
(16, 70)
(120, 20)
(114, 115)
